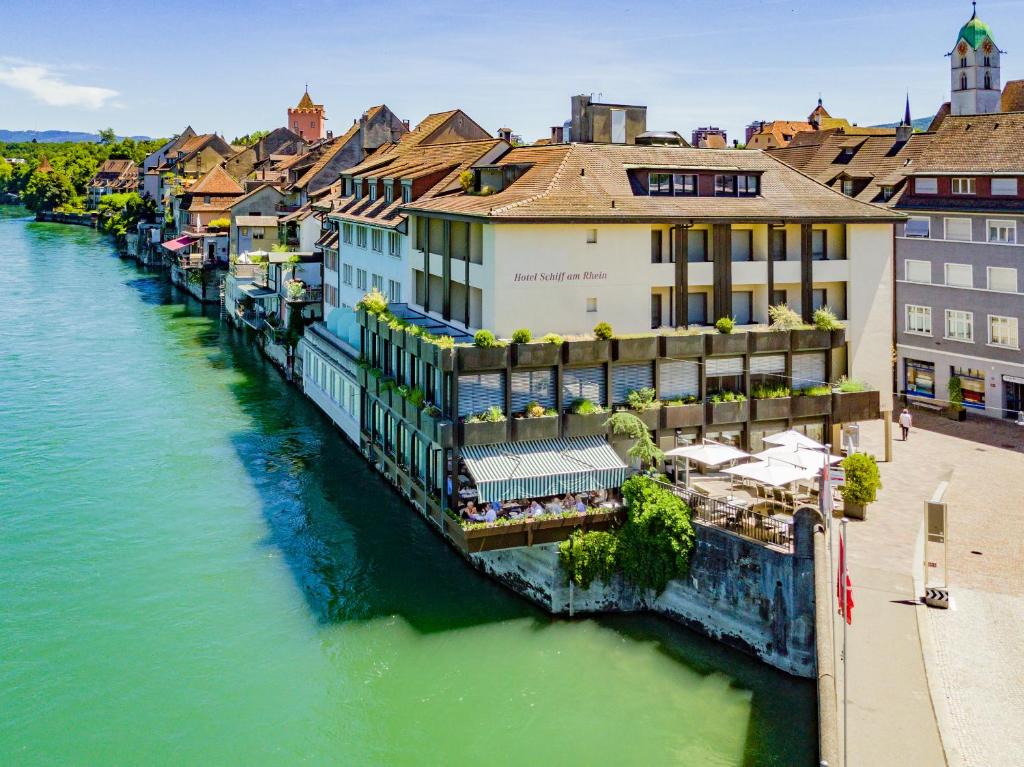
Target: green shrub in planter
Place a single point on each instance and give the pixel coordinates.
(484, 339)
(603, 331)
(373, 302)
(850, 386)
(642, 399)
(862, 479)
(584, 407)
(825, 319)
(522, 336)
(725, 325)
(784, 318)
(553, 338)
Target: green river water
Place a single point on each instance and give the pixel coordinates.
(196, 569)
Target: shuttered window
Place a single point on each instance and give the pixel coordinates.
(678, 379)
(533, 386)
(808, 370)
(584, 383)
(725, 366)
(627, 378)
(768, 363)
(479, 392)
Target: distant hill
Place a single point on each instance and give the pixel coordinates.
(54, 136)
(921, 123)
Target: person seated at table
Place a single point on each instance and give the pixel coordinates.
(569, 501)
(492, 513)
(535, 508)
(553, 506)
(471, 513)
(600, 496)
(581, 507)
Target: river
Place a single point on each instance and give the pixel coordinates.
(195, 568)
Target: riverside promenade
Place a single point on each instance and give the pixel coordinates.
(927, 685)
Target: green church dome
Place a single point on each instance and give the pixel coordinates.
(974, 31)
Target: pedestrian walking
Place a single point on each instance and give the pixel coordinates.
(906, 421)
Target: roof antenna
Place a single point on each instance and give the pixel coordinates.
(974, 6)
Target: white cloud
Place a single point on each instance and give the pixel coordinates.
(49, 86)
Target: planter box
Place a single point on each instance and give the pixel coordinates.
(956, 415)
(473, 358)
(410, 412)
(635, 349)
(773, 409)
(444, 432)
(428, 425)
(855, 510)
(726, 343)
(651, 418)
(484, 433)
(805, 406)
(412, 344)
(444, 359)
(582, 425)
(769, 341)
(802, 340)
(682, 346)
(586, 352)
(527, 429)
(399, 338)
(681, 416)
(361, 316)
(855, 406)
(383, 331)
(372, 322)
(538, 355)
(362, 376)
(727, 412)
(838, 337)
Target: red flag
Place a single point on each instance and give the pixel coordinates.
(845, 596)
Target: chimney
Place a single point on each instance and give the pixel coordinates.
(903, 133)
(505, 134)
(406, 124)
(557, 134)
(330, 135)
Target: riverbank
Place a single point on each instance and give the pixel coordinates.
(198, 569)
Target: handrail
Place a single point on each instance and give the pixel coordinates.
(734, 518)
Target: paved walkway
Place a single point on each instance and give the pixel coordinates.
(914, 670)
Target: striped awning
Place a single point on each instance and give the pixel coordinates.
(543, 467)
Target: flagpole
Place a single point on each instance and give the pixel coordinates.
(846, 619)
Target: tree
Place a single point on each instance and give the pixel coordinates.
(250, 138)
(6, 174)
(46, 191)
(628, 425)
(107, 135)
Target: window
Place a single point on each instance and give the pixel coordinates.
(591, 304)
(591, 236)
(958, 229)
(394, 291)
(923, 185)
(348, 187)
(743, 307)
(357, 187)
(659, 184)
(377, 240)
(917, 271)
(378, 282)
(1002, 331)
(742, 244)
(618, 126)
(406, 193)
(988, 61)
(919, 319)
(257, 234)
(656, 246)
(684, 184)
(819, 244)
(973, 384)
(919, 377)
(747, 186)
(394, 244)
(848, 187)
(819, 298)
(361, 236)
(963, 79)
(918, 227)
(1002, 278)
(361, 279)
(245, 231)
(1004, 186)
(988, 81)
(346, 274)
(779, 297)
(389, 193)
(696, 246)
(725, 185)
(346, 233)
(778, 244)
(371, 185)
(959, 325)
(959, 275)
(963, 186)
(1002, 231)
(887, 192)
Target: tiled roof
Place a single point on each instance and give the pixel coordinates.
(217, 181)
(878, 160)
(592, 182)
(1012, 99)
(990, 143)
(254, 190)
(195, 143)
(328, 154)
(779, 129)
(942, 114)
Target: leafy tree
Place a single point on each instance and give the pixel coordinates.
(107, 135)
(656, 542)
(6, 174)
(629, 426)
(46, 191)
(250, 138)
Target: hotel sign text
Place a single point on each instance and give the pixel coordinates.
(559, 276)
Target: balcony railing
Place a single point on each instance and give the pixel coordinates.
(246, 271)
(310, 295)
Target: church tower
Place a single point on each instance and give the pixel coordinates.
(974, 70)
(307, 119)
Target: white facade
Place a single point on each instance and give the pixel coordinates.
(974, 76)
(372, 256)
(329, 377)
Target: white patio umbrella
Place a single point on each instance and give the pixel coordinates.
(771, 472)
(792, 438)
(707, 454)
(798, 456)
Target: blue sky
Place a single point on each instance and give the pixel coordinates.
(231, 67)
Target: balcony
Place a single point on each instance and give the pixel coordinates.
(308, 295)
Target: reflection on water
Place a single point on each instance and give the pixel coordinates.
(198, 568)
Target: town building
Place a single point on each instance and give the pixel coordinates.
(778, 133)
(113, 177)
(709, 138)
(156, 163)
(974, 70)
(307, 119)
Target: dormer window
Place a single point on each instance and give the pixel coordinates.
(887, 192)
(747, 186)
(206, 200)
(371, 185)
(389, 193)
(356, 188)
(683, 184)
(725, 185)
(963, 186)
(659, 184)
(406, 193)
(848, 187)
(348, 187)
(846, 154)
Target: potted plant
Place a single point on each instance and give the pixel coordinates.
(535, 422)
(853, 400)
(644, 404)
(811, 401)
(769, 402)
(687, 343)
(725, 341)
(861, 485)
(727, 407)
(485, 428)
(681, 413)
(956, 411)
(584, 417)
(643, 449)
(535, 354)
(486, 353)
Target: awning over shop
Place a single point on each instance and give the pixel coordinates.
(544, 467)
(178, 243)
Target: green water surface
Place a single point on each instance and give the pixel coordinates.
(196, 569)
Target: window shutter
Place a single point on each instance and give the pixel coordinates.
(533, 385)
(584, 383)
(768, 363)
(479, 392)
(627, 378)
(808, 370)
(679, 379)
(724, 366)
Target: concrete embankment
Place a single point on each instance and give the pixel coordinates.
(79, 219)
